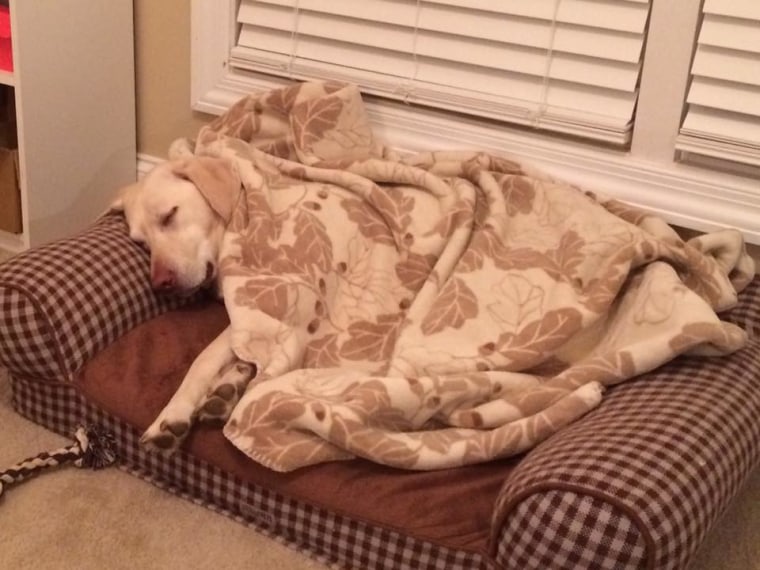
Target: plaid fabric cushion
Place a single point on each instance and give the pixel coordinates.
(641, 480)
(592, 533)
(63, 302)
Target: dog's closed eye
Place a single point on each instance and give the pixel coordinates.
(168, 218)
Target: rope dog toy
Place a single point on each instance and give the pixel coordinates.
(94, 448)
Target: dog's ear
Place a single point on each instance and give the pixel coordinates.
(215, 178)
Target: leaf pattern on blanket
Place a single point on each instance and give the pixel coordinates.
(367, 223)
(311, 120)
(312, 247)
(531, 343)
(373, 341)
(266, 291)
(519, 194)
(440, 309)
(456, 304)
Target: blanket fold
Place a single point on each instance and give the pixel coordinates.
(442, 309)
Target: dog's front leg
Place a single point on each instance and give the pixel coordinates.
(215, 377)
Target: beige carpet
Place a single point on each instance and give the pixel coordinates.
(109, 520)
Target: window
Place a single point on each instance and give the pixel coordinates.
(569, 66)
(573, 67)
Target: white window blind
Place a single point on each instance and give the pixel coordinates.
(570, 66)
(723, 103)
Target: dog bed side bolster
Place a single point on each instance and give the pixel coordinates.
(62, 302)
(640, 481)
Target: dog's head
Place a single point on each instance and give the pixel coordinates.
(179, 212)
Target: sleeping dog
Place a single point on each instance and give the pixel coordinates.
(178, 212)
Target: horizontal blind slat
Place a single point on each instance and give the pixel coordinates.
(719, 63)
(726, 95)
(749, 9)
(730, 33)
(619, 15)
(723, 126)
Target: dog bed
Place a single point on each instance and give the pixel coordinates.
(636, 482)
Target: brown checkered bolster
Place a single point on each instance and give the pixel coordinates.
(639, 482)
(62, 302)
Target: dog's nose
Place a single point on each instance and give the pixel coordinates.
(163, 279)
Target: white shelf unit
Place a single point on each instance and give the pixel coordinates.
(74, 90)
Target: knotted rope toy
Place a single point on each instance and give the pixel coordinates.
(94, 448)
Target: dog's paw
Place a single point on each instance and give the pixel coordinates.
(223, 397)
(165, 437)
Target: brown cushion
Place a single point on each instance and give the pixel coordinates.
(135, 377)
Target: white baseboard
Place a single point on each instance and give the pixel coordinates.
(13, 243)
(145, 162)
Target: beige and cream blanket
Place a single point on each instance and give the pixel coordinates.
(442, 309)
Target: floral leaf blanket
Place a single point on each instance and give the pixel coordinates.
(442, 309)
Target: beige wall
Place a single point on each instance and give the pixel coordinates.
(162, 69)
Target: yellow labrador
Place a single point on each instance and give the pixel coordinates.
(179, 212)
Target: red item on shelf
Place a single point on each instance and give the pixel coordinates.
(6, 54)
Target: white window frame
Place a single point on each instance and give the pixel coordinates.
(647, 175)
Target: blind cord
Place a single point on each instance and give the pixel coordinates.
(406, 89)
(294, 38)
(543, 103)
